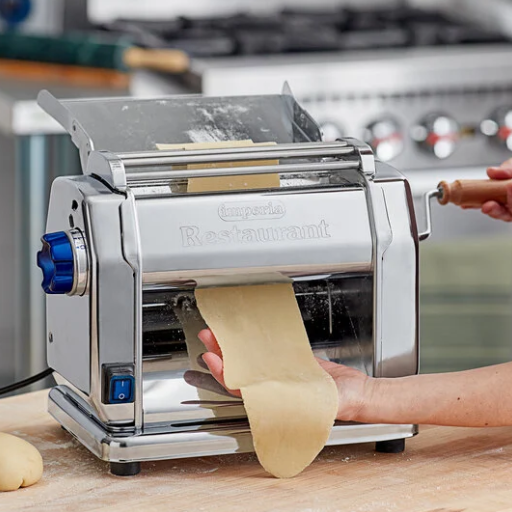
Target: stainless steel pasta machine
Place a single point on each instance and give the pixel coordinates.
(126, 244)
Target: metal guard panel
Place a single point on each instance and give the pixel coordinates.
(127, 124)
(220, 232)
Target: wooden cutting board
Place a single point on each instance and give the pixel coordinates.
(442, 470)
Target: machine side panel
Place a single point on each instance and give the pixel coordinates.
(112, 302)
(68, 318)
(399, 288)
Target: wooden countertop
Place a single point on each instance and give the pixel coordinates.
(442, 470)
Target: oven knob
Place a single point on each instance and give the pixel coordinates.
(330, 131)
(438, 134)
(385, 138)
(499, 127)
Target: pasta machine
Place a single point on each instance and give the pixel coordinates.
(126, 244)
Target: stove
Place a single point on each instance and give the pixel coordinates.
(292, 31)
(426, 90)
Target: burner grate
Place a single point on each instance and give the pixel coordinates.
(298, 31)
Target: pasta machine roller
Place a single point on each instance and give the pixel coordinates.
(126, 245)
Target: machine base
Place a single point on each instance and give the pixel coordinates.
(126, 451)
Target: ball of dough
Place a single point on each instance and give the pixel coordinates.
(21, 464)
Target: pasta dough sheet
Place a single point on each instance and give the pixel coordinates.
(291, 402)
(220, 183)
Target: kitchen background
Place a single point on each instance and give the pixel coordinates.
(428, 84)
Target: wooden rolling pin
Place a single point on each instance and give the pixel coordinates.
(473, 193)
(90, 50)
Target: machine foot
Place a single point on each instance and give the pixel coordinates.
(125, 468)
(393, 446)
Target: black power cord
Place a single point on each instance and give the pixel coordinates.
(26, 382)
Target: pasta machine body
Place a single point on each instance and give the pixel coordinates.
(126, 245)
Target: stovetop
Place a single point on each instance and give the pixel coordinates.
(298, 31)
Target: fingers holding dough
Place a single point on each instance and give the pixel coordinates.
(21, 464)
(210, 342)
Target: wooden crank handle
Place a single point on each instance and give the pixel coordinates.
(473, 193)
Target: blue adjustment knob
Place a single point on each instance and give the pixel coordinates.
(55, 259)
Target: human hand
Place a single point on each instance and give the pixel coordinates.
(354, 388)
(493, 208)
